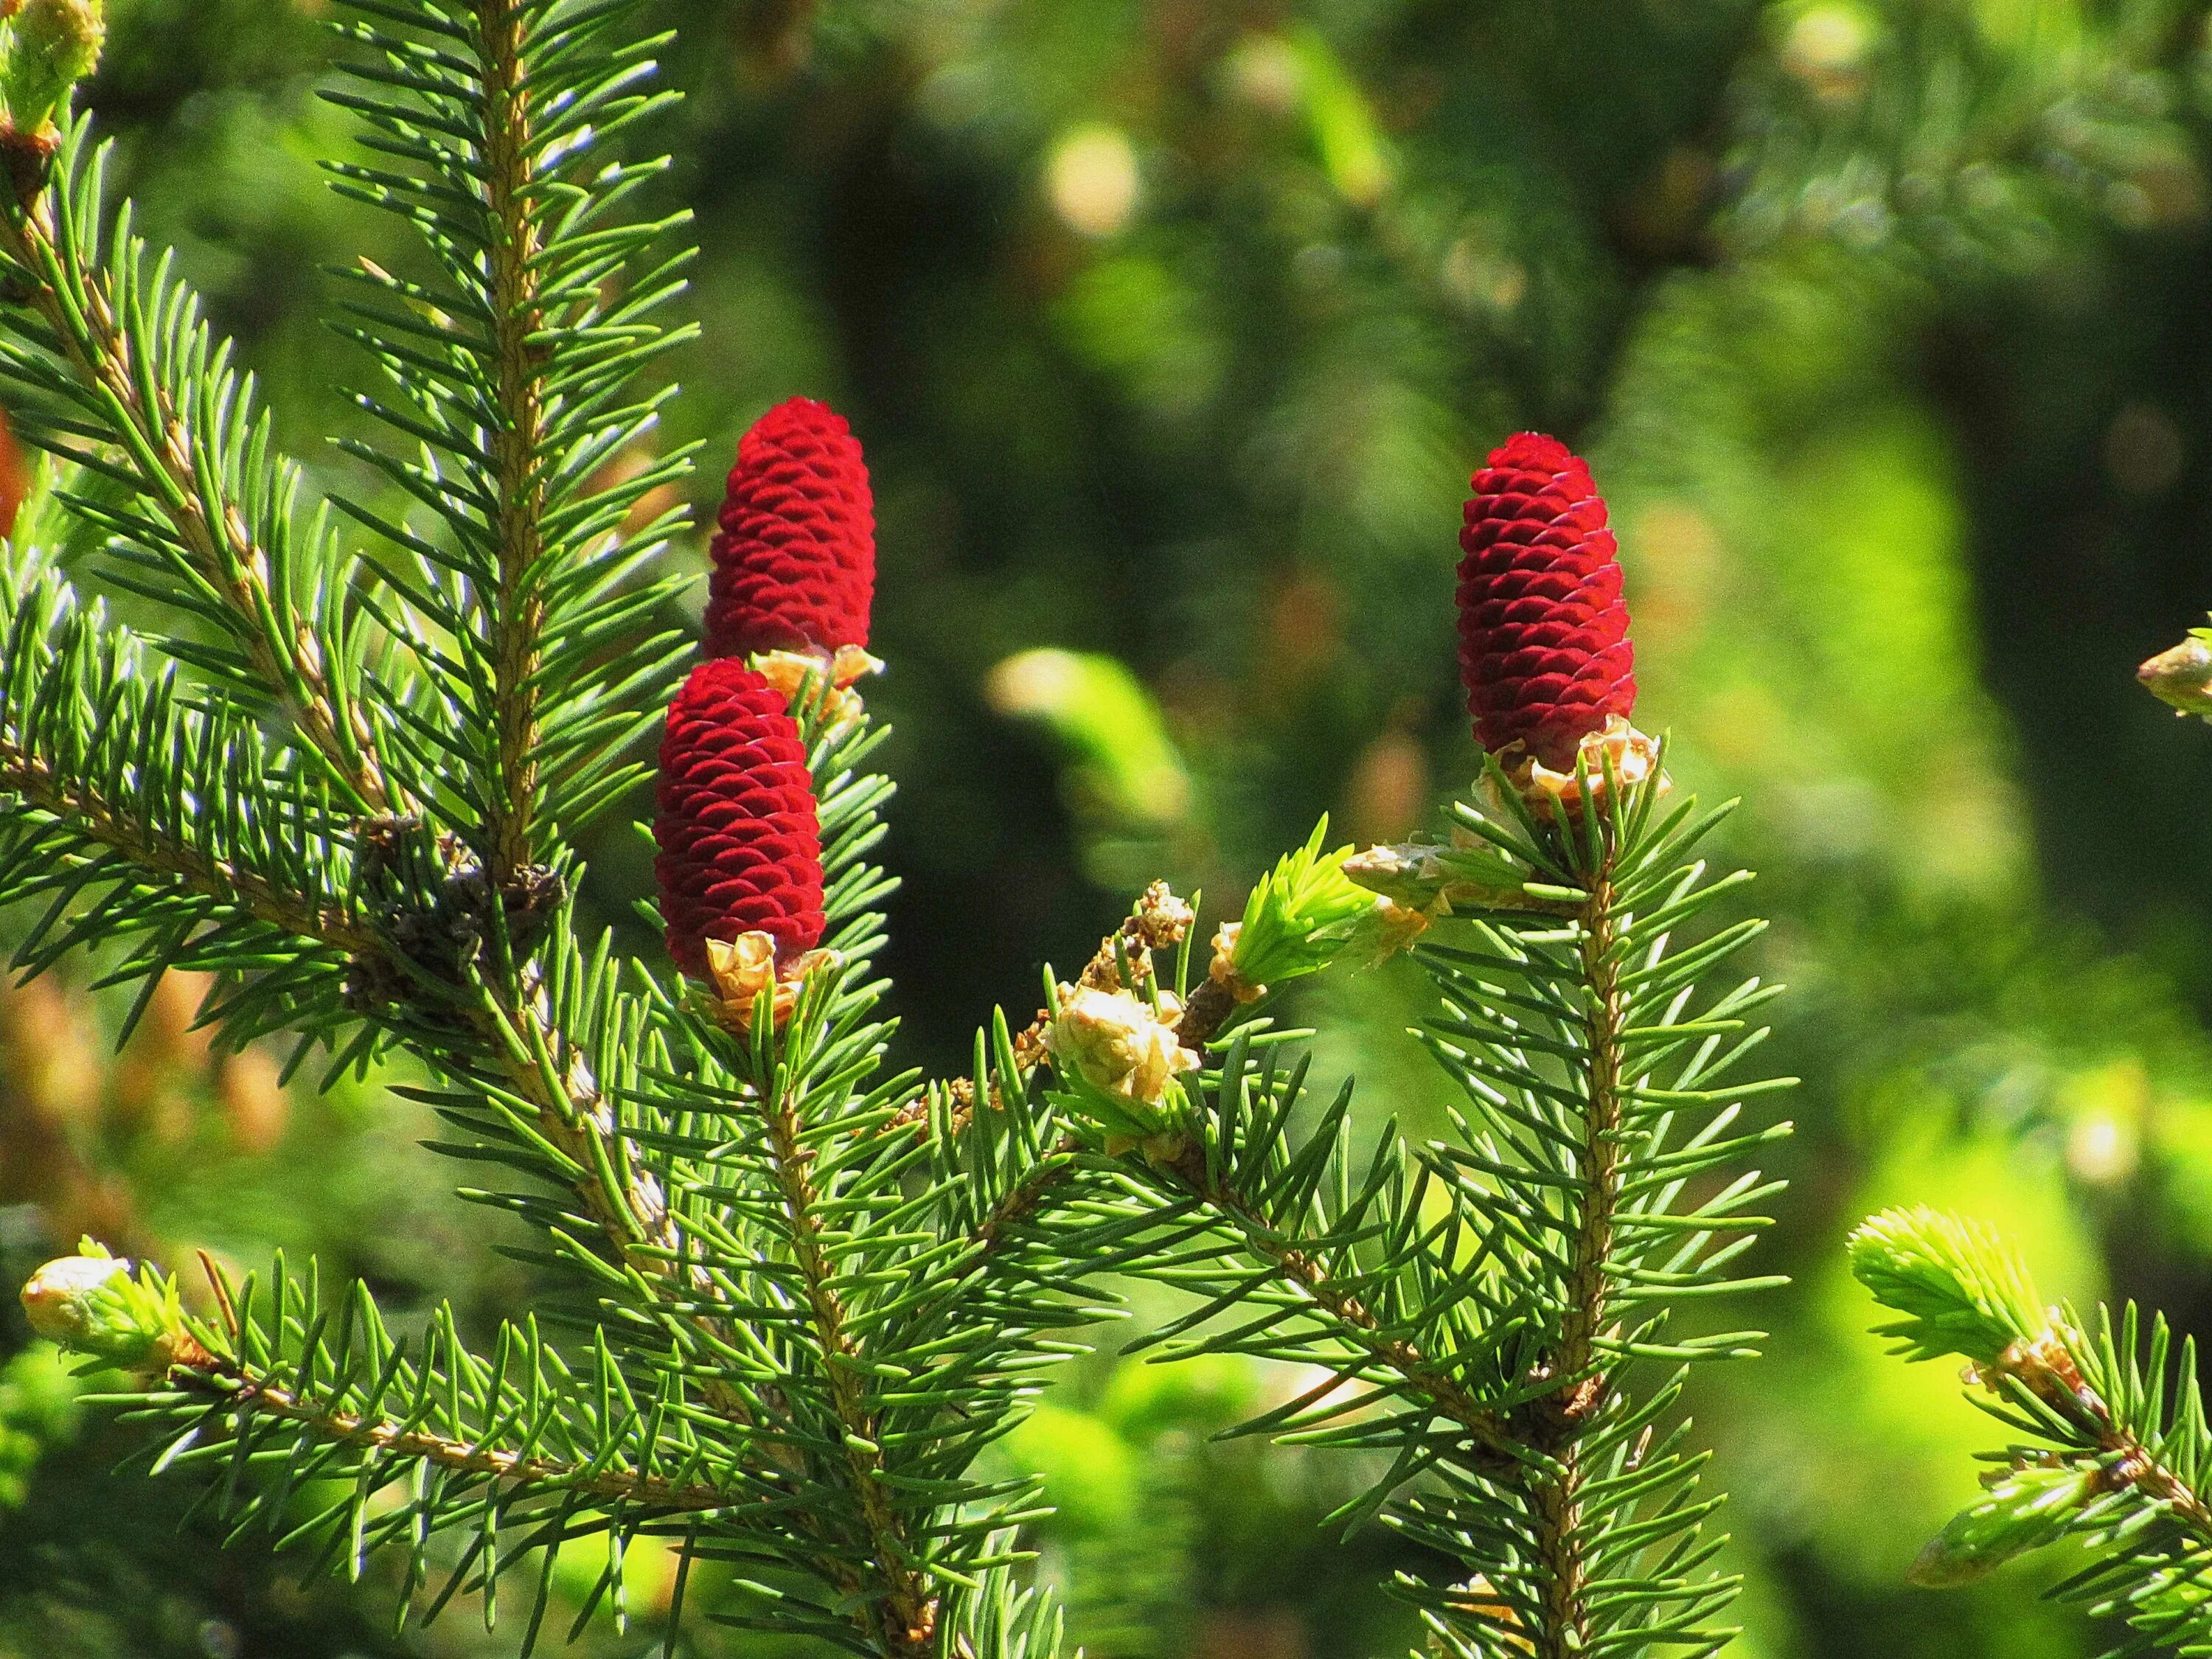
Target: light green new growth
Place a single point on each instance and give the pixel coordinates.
(46, 49)
(91, 1302)
(1301, 915)
(1962, 1290)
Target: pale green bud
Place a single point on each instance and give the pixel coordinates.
(49, 46)
(1962, 1291)
(1444, 881)
(2182, 675)
(2026, 1510)
(90, 1303)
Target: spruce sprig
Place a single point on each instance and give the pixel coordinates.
(889, 1318)
(1488, 1310)
(513, 368)
(106, 360)
(139, 817)
(2111, 1448)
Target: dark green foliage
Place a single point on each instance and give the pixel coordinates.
(512, 369)
(1481, 1311)
(143, 817)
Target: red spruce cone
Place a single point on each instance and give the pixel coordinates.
(1543, 631)
(795, 558)
(740, 843)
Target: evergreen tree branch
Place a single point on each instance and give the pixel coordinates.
(2111, 1448)
(165, 402)
(1559, 1485)
(108, 824)
(1350, 1319)
(516, 613)
(905, 1619)
(1479, 1304)
(133, 814)
(240, 1393)
(510, 382)
(288, 1400)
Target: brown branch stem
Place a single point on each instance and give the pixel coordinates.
(517, 611)
(2048, 1370)
(1557, 1489)
(224, 1380)
(32, 780)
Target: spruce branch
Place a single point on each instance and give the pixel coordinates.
(104, 823)
(114, 369)
(905, 1618)
(1561, 1541)
(1339, 1311)
(240, 1394)
(131, 814)
(511, 375)
(903, 1292)
(2111, 1447)
(289, 1400)
(1481, 1307)
(516, 614)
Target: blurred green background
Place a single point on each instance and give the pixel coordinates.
(1173, 328)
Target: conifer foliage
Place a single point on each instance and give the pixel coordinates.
(2110, 1448)
(339, 760)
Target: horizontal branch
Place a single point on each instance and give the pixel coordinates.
(91, 814)
(223, 1381)
(1424, 1377)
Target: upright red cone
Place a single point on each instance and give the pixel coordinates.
(1543, 630)
(795, 556)
(740, 841)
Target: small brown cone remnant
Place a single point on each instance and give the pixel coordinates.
(2181, 675)
(1118, 1044)
(1223, 971)
(1480, 1598)
(1394, 927)
(2045, 1365)
(1162, 920)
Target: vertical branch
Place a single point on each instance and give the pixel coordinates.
(1556, 1492)
(903, 1620)
(516, 609)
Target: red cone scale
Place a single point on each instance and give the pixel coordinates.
(1543, 631)
(740, 843)
(795, 558)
